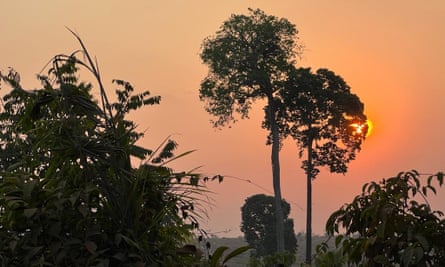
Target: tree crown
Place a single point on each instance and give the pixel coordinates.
(248, 59)
(319, 108)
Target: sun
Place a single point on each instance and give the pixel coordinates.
(370, 126)
(360, 128)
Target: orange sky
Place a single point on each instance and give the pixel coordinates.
(390, 53)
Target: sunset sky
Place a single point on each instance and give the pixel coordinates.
(391, 53)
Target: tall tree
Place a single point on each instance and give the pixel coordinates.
(258, 225)
(322, 114)
(249, 59)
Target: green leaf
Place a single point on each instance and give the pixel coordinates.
(217, 256)
(14, 166)
(28, 188)
(29, 212)
(338, 240)
(236, 252)
(380, 259)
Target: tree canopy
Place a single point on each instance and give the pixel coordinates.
(258, 225)
(248, 59)
(319, 110)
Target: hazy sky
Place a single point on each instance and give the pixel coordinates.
(391, 53)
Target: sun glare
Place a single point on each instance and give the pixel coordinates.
(370, 126)
(359, 129)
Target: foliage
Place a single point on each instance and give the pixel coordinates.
(284, 259)
(69, 195)
(258, 225)
(249, 59)
(326, 257)
(317, 110)
(387, 225)
(218, 259)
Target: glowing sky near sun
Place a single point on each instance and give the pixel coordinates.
(391, 53)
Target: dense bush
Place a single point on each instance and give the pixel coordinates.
(69, 193)
(391, 223)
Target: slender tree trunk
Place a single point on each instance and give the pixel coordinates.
(276, 175)
(309, 203)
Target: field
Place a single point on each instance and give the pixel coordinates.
(242, 260)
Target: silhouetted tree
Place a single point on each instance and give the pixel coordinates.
(319, 111)
(389, 225)
(258, 225)
(249, 59)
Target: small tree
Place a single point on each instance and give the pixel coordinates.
(318, 110)
(258, 225)
(69, 195)
(249, 59)
(386, 225)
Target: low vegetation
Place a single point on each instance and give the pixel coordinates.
(70, 194)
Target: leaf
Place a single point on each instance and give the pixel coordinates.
(120, 256)
(14, 166)
(178, 156)
(380, 259)
(418, 254)
(217, 256)
(13, 245)
(440, 176)
(236, 252)
(139, 152)
(338, 240)
(407, 256)
(32, 251)
(423, 241)
(74, 197)
(131, 242)
(194, 180)
(91, 247)
(54, 229)
(432, 189)
(117, 239)
(29, 212)
(28, 188)
(218, 177)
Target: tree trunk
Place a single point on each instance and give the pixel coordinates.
(309, 204)
(276, 175)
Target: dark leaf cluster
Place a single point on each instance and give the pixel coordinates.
(318, 111)
(69, 194)
(258, 225)
(391, 223)
(248, 59)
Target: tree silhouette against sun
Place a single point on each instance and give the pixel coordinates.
(326, 120)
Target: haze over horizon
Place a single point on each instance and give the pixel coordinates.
(391, 54)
